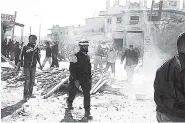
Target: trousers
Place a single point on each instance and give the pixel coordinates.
(112, 65)
(45, 60)
(85, 84)
(98, 61)
(54, 60)
(130, 73)
(29, 81)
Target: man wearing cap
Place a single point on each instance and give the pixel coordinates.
(132, 57)
(80, 74)
(169, 87)
(28, 60)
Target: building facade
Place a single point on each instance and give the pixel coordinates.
(121, 25)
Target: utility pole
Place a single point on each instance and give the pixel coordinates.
(14, 24)
(39, 31)
(39, 26)
(150, 18)
(160, 9)
(30, 30)
(22, 34)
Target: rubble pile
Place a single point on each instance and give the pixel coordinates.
(10, 78)
(7, 73)
(98, 79)
(97, 75)
(48, 79)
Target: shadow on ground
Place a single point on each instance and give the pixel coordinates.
(68, 117)
(11, 109)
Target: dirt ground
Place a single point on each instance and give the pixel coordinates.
(110, 104)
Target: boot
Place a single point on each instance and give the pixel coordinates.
(87, 116)
(69, 105)
(32, 96)
(25, 98)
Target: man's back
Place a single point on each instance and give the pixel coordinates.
(131, 57)
(111, 56)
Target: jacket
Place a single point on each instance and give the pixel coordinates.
(29, 56)
(80, 67)
(17, 51)
(10, 45)
(48, 52)
(55, 49)
(111, 56)
(99, 52)
(169, 87)
(131, 57)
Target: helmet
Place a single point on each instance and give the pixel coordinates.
(83, 42)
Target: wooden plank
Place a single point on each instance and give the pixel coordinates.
(6, 59)
(99, 86)
(56, 87)
(96, 85)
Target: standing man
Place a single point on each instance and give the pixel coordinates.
(3, 48)
(80, 74)
(29, 58)
(9, 46)
(169, 87)
(132, 57)
(12, 50)
(98, 58)
(55, 51)
(17, 51)
(48, 55)
(111, 59)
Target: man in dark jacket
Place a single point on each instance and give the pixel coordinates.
(17, 51)
(80, 74)
(169, 87)
(55, 51)
(29, 58)
(48, 55)
(132, 57)
(12, 50)
(3, 48)
(9, 46)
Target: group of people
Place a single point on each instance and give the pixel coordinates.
(80, 70)
(169, 84)
(131, 54)
(11, 50)
(28, 58)
(51, 54)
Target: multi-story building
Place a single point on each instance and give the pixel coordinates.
(130, 24)
(121, 25)
(93, 31)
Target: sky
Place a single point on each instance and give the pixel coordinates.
(52, 12)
